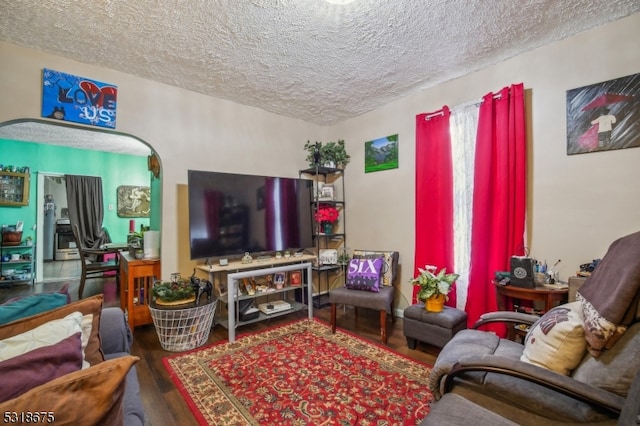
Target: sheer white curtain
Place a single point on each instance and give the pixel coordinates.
(463, 127)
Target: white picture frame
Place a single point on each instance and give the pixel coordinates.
(326, 192)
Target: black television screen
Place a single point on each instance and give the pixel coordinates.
(230, 214)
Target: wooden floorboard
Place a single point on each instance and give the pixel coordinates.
(162, 401)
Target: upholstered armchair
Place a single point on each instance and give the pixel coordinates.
(381, 300)
(575, 366)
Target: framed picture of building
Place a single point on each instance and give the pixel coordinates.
(604, 116)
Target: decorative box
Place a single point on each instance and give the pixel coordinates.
(328, 256)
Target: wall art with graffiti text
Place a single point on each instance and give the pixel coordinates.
(78, 99)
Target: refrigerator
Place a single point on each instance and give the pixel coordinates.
(49, 228)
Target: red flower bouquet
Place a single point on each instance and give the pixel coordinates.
(326, 213)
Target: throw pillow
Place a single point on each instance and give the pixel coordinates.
(386, 279)
(44, 335)
(63, 290)
(91, 305)
(30, 305)
(87, 397)
(19, 375)
(364, 274)
(556, 341)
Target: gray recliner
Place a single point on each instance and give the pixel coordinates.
(478, 368)
(455, 410)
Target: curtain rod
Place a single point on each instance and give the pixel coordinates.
(433, 115)
(466, 104)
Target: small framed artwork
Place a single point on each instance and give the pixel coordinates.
(279, 279)
(326, 193)
(134, 201)
(381, 154)
(295, 278)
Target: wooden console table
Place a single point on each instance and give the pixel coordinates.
(136, 279)
(538, 293)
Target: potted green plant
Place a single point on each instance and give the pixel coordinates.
(434, 288)
(332, 154)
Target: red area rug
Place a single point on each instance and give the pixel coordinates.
(301, 374)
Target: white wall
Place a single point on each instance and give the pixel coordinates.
(187, 129)
(578, 204)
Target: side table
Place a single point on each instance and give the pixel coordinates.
(136, 279)
(537, 293)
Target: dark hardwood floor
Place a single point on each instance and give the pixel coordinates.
(162, 400)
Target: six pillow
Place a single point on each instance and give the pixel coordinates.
(386, 278)
(556, 341)
(39, 366)
(364, 274)
(90, 305)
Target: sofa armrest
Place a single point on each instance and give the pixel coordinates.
(506, 317)
(115, 334)
(563, 384)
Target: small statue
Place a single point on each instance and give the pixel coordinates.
(201, 287)
(247, 258)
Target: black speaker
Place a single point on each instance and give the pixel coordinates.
(522, 272)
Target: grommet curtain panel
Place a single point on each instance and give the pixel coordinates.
(434, 195)
(499, 198)
(497, 218)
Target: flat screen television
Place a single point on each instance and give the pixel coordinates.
(231, 214)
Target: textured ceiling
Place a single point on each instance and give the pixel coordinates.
(71, 136)
(307, 59)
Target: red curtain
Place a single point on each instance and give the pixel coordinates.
(499, 200)
(434, 195)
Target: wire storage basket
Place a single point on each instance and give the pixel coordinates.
(182, 329)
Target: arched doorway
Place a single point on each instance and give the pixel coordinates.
(73, 139)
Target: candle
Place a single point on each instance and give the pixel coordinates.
(132, 226)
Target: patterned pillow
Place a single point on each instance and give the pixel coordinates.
(387, 267)
(556, 341)
(364, 274)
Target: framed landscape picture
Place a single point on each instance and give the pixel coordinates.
(381, 154)
(604, 116)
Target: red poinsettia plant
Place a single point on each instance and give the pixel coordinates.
(326, 213)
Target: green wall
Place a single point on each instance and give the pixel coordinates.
(115, 170)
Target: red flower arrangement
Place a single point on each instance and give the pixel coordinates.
(326, 213)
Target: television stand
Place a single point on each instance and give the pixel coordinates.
(236, 272)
